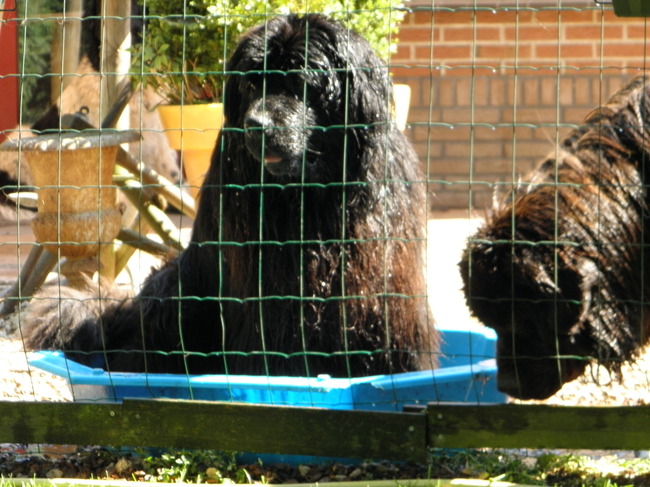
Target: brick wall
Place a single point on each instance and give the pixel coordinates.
(493, 90)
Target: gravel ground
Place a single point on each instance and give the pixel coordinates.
(19, 381)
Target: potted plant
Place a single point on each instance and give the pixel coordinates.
(186, 44)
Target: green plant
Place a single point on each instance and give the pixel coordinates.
(35, 35)
(186, 44)
(195, 466)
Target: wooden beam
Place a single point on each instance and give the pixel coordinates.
(65, 48)
(219, 426)
(324, 432)
(115, 57)
(539, 426)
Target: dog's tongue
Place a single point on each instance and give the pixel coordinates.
(272, 159)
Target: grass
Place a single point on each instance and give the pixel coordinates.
(539, 468)
(482, 467)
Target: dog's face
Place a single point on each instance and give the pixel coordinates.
(296, 94)
(537, 317)
(279, 124)
(535, 294)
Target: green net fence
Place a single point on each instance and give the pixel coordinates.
(306, 239)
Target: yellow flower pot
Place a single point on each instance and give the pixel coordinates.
(193, 130)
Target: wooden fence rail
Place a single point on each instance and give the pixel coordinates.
(323, 432)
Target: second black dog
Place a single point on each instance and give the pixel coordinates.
(560, 269)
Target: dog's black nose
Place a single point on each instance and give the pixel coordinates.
(258, 135)
(257, 121)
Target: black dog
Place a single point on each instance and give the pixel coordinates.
(306, 256)
(560, 270)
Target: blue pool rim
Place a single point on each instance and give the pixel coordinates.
(467, 374)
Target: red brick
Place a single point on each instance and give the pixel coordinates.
(425, 53)
(496, 51)
(404, 53)
(567, 91)
(493, 133)
(530, 89)
(481, 90)
(468, 33)
(637, 31)
(457, 34)
(576, 116)
(548, 90)
(567, 51)
(463, 17)
(565, 16)
(481, 149)
(484, 33)
(464, 92)
(583, 94)
(608, 16)
(446, 166)
(421, 118)
(446, 133)
(503, 52)
(624, 49)
(578, 51)
(536, 150)
(468, 115)
(534, 115)
(416, 72)
(417, 34)
(497, 16)
(531, 33)
(546, 51)
(447, 92)
(497, 92)
(592, 32)
(449, 52)
(424, 16)
(465, 69)
(527, 67)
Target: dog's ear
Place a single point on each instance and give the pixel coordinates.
(234, 91)
(366, 80)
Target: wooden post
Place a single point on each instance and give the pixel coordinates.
(114, 65)
(115, 58)
(65, 48)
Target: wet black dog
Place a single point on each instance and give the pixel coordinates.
(560, 269)
(307, 253)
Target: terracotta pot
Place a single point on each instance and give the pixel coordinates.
(73, 174)
(193, 130)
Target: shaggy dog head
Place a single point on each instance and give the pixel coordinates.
(557, 270)
(512, 286)
(310, 82)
